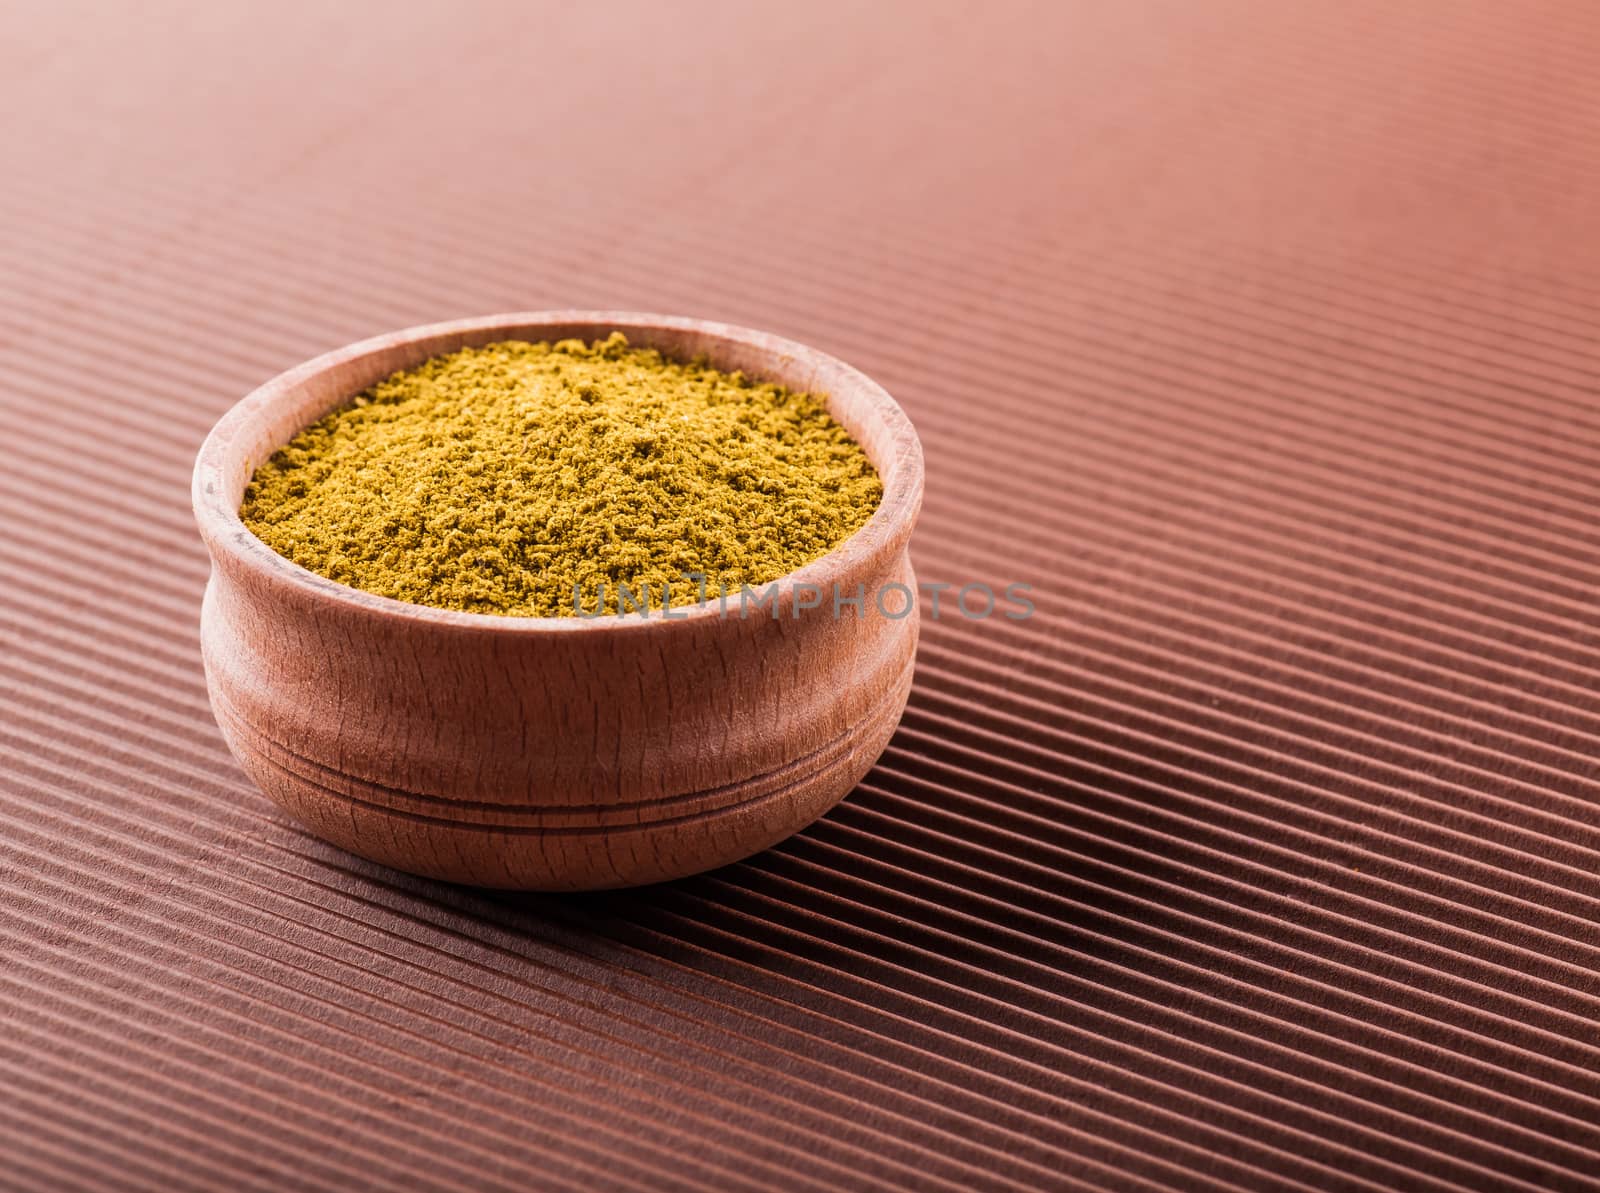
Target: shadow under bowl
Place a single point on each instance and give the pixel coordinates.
(556, 753)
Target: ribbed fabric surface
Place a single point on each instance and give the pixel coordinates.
(1257, 337)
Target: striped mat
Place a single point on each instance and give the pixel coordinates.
(1256, 337)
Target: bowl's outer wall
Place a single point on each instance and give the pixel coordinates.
(555, 753)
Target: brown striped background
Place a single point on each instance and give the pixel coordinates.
(1257, 336)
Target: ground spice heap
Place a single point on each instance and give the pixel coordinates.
(504, 479)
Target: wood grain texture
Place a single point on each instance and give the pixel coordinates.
(558, 753)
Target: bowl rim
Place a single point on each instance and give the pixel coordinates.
(886, 532)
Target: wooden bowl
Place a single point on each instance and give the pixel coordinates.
(556, 753)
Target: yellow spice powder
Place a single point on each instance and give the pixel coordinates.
(508, 478)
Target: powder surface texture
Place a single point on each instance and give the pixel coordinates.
(507, 478)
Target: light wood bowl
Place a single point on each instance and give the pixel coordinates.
(554, 753)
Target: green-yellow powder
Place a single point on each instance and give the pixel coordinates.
(507, 478)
